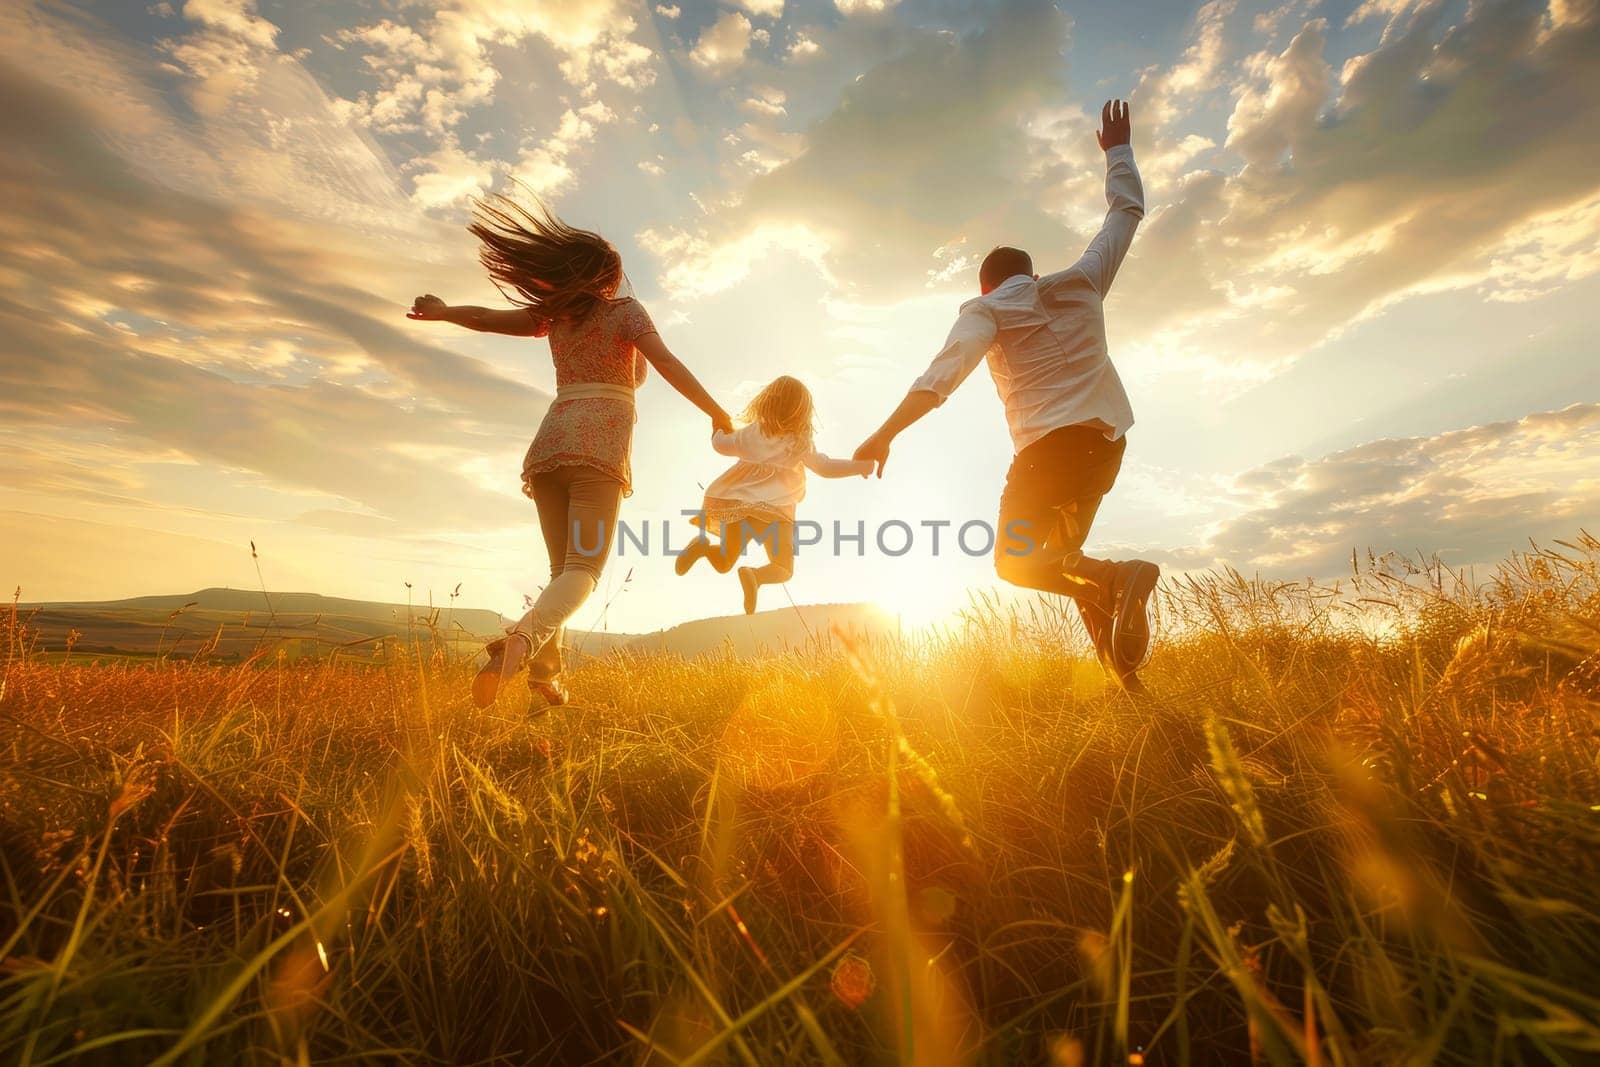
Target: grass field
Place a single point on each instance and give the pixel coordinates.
(1347, 827)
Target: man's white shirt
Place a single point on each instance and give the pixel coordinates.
(1045, 340)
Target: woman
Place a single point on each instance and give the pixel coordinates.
(566, 283)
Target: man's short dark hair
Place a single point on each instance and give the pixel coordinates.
(1002, 263)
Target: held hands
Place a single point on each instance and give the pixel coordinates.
(1115, 127)
(876, 450)
(721, 422)
(428, 308)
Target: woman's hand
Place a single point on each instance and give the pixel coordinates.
(428, 308)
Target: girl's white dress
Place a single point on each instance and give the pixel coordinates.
(769, 478)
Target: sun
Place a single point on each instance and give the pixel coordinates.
(922, 604)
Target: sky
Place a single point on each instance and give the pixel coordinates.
(1360, 312)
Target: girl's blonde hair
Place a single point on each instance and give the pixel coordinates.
(783, 409)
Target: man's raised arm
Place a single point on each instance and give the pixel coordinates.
(1124, 197)
(969, 341)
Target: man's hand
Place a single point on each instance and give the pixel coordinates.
(1115, 128)
(428, 308)
(876, 449)
(721, 422)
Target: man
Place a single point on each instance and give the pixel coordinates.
(1045, 342)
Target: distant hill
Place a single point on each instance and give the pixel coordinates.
(241, 622)
(771, 631)
(287, 607)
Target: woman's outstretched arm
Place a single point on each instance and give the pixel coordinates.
(682, 379)
(518, 322)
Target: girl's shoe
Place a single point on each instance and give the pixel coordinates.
(692, 553)
(506, 656)
(747, 579)
(553, 693)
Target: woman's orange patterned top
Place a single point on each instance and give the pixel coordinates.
(593, 431)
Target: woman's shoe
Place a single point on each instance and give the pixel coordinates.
(553, 693)
(506, 656)
(747, 579)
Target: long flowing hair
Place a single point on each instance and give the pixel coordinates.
(554, 270)
(784, 409)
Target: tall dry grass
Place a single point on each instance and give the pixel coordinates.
(1350, 826)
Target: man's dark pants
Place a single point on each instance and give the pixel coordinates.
(1053, 489)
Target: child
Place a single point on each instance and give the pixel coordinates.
(566, 283)
(754, 499)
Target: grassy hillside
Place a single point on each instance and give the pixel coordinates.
(233, 624)
(1353, 826)
(230, 625)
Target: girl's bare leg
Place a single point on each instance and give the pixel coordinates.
(692, 553)
(721, 554)
(778, 540)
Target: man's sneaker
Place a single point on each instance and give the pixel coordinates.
(1131, 588)
(747, 579)
(553, 693)
(1097, 623)
(505, 660)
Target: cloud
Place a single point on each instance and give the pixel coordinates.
(1472, 495)
(1387, 9)
(1413, 168)
(1167, 93)
(1279, 103)
(769, 148)
(1545, 253)
(235, 17)
(766, 101)
(1331, 192)
(700, 267)
(921, 151)
(773, 8)
(433, 73)
(448, 176)
(343, 442)
(543, 167)
(863, 7)
(166, 325)
(804, 47)
(280, 143)
(723, 44)
(226, 55)
(668, 11)
(88, 473)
